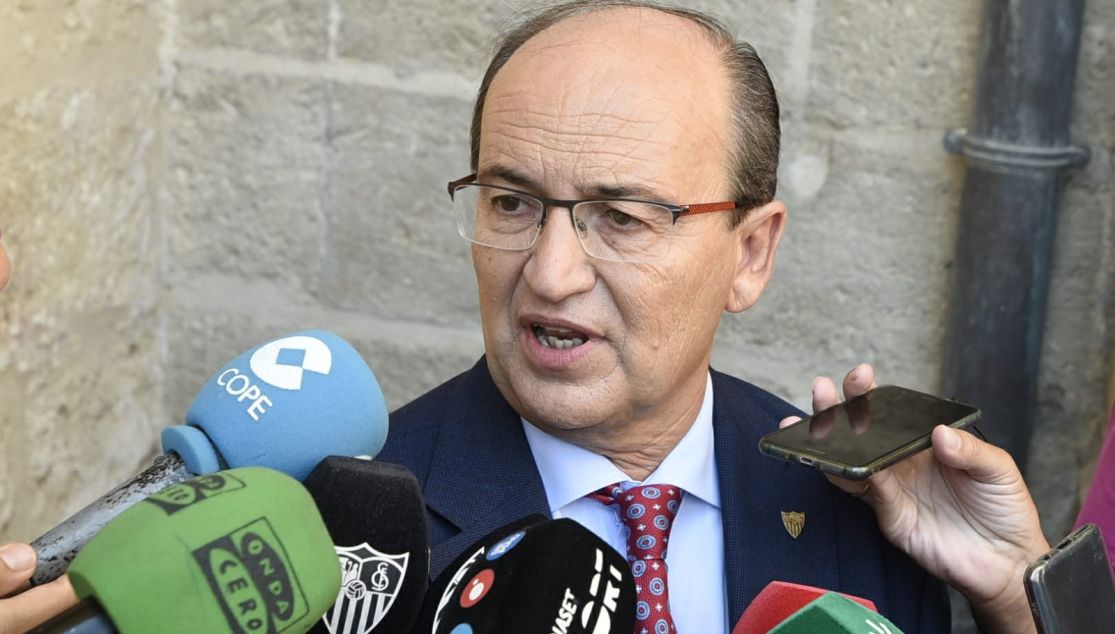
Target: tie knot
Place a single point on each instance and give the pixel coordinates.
(648, 513)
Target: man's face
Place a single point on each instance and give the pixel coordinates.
(631, 103)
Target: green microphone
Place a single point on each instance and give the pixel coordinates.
(242, 551)
(833, 613)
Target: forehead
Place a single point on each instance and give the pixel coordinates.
(622, 96)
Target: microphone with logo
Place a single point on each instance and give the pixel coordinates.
(534, 575)
(285, 405)
(790, 608)
(377, 518)
(233, 552)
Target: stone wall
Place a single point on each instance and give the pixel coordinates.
(187, 179)
(82, 361)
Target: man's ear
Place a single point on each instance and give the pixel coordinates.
(757, 239)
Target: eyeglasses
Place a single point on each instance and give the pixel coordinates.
(617, 229)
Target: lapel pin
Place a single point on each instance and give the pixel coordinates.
(794, 522)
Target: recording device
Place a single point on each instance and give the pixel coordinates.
(285, 405)
(778, 602)
(376, 516)
(790, 608)
(534, 575)
(233, 552)
(1071, 588)
(867, 433)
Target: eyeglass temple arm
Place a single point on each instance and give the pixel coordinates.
(461, 181)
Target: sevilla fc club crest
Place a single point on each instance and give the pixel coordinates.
(370, 582)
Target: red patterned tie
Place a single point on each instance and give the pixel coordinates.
(647, 513)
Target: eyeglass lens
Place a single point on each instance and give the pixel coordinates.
(626, 231)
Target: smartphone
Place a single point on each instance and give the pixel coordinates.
(1071, 588)
(867, 433)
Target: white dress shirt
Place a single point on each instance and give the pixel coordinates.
(695, 559)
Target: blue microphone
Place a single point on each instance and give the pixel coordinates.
(284, 405)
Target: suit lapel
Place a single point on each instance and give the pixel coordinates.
(482, 475)
(754, 491)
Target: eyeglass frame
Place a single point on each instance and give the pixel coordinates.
(677, 210)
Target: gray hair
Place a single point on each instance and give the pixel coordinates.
(753, 159)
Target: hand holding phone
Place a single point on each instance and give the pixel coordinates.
(961, 510)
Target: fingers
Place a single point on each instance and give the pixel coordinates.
(983, 462)
(859, 380)
(25, 611)
(789, 420)
(17, 564)
(824, 394)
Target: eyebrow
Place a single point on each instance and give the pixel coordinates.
(509, 175)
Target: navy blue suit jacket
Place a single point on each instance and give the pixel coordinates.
(468, 449)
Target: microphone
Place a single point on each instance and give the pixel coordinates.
(377, 519)
(790, 608)
(534, 575)
(285, 405)
(251, 556)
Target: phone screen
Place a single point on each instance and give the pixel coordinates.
(863, 429)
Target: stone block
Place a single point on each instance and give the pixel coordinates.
(894, 64)
(290, 28)
(862, 273)
(82, 409)
(1072, 406)
(245, 179)
(421, 35)
(1094, 98)
(395, 250)
(407, 359)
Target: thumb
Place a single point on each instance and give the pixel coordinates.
(982, 461)
(789, 420)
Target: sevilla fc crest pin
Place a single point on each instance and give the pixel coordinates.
(369, 585)
(794, 522)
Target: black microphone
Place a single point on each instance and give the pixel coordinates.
(534, 575)
(376, 516)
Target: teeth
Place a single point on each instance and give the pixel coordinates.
(554, 342)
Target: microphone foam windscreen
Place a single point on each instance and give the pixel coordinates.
(235, 551)
(540, 576)
(377, 518)
(290, 403)
(834, 613)
(777, 602)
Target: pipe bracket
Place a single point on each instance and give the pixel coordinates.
(1010, 155)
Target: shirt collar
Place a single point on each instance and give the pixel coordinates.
(570, 472)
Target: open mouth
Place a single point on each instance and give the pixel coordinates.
(558, 338)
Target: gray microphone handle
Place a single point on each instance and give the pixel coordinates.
(58, 547)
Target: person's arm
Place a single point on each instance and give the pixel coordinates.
(5, 267)
(24, 611)
(961, 510)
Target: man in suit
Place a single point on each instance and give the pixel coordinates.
(622, 199)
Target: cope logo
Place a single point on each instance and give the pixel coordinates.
(252, 579)
(281, 364)
(476, 589)
(177, 497)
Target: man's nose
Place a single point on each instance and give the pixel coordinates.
(558, 266)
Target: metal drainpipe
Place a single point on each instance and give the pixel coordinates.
(1017, 151)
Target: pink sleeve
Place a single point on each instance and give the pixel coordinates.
(1099, 505)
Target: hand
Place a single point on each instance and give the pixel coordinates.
(960, 509)
(22, 612)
